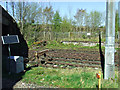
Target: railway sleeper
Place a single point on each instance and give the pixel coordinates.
(76, 61)
(78, 58)
(76, 65)
(65, 66)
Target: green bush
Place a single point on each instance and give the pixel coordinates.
(83, 36)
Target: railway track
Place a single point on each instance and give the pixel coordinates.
(70, 58)
(89, 57)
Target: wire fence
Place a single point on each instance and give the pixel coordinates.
(69, 36)
(66, 36)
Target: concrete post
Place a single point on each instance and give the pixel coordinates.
(110, 40)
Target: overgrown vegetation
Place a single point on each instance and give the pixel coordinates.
(67, 78)
(33, 18)
(58, 45)
(53, 44)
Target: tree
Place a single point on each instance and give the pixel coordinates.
(18, 16)
(66, 25)
(48, 13)
(56, 21)
(116, 22)
(87, 22)
(27, 13)
(80, 16)
(74, 28)
(95, 19)
(31, 12)
(12, 4)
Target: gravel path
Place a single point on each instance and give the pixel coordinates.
(7, 83)
(21, 84)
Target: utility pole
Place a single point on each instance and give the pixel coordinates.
(110, 40)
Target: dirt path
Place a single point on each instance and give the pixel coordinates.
(7, 83)
(21, 84)
(14, 84)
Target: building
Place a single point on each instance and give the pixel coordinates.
(9, 26)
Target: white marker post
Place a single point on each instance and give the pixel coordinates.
(110, 40)
(9, 48)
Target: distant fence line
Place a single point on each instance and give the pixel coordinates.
(66, 35)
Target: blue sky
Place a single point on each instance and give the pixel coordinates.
(69, 8)
(66, 8)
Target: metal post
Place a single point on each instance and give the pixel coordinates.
(9, 56)
(9, 49)
(110, 40)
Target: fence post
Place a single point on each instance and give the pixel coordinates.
(44, 35)
(69, 34)
(50, 35)
(101, 34)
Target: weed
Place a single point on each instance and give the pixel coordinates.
(67, 78)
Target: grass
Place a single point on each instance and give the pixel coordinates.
(95, 39)
(81, 39)
(67, 78)
(57, 45)
(53, 44)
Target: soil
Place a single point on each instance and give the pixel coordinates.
(8, 83)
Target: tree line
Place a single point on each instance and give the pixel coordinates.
(36, 17)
